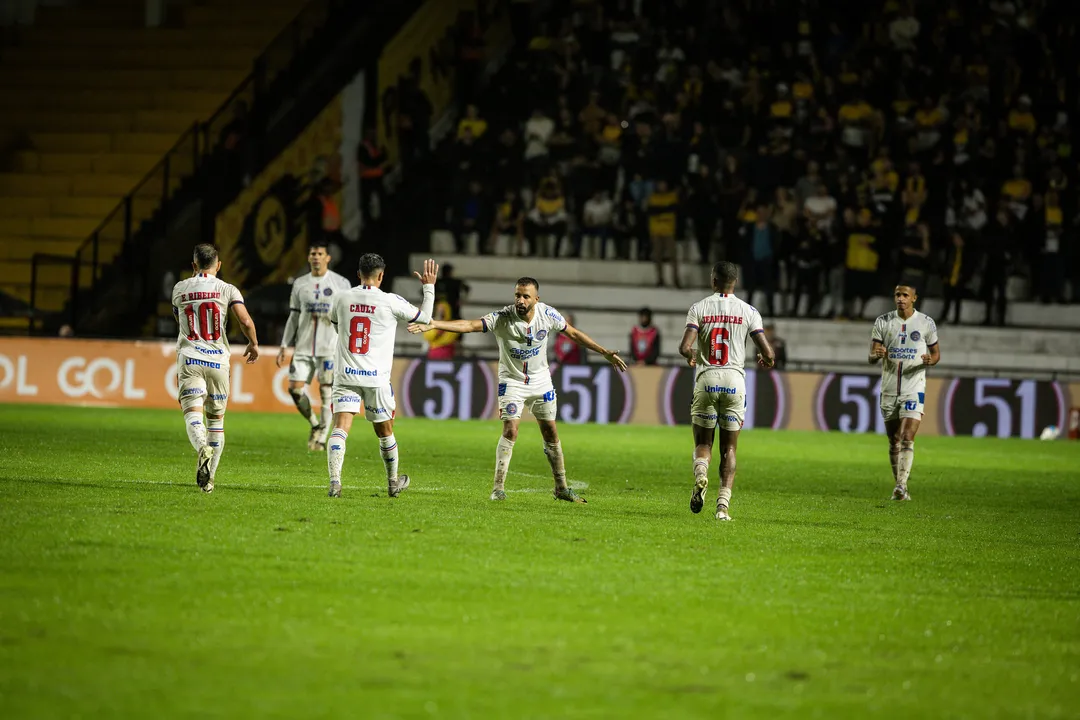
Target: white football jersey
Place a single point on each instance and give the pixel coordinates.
(309, 329)
(902, 370)
(201, 306)
(523, 345)
(724, 323)
(367, 320)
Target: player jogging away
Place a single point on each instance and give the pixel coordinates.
(367, 320)
(905, 341)
(314, 339)
(201, 305)
(522, 331)
(714, 343)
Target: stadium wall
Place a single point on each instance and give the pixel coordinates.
(143, 374)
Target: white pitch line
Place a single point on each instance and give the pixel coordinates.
(265, 486)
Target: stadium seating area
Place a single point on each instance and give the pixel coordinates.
(838, 146)
(90, 101)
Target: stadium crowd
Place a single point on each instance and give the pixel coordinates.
(830, 147)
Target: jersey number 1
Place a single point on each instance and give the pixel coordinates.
(718, 346)
(209, 321)
(359, 335)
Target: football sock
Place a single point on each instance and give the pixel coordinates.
(723, 498)
(553, 451)
(502, 461)
(326, 392)
(894, 460)
(904, 462)
(196, 431)
(388, 450)
(216, 429)
(335, 453)
(303, 404)
(701, 467)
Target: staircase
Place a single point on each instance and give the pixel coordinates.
(91, 101)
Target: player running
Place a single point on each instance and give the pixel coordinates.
(714, 343)
(315, 339)
(201, 305)
(522, 331)
(906, 343)
(367, 319)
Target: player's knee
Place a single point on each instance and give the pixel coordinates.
(297, 393)
(908, 442)
(510, 432)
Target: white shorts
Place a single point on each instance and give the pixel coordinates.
(202, 381)
(514, 397)
(378, 403)
(897, 407)
(304, 367)
(719, 400)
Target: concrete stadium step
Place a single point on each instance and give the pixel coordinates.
(501, 292)
(238, 15)
(252, 38)
(151, 143)
(641, 275)
(18, 80)
(23, 251)
(165, 121)
(45, 227)
(53, 185)
(80, 101)
(206, 56)
(224, 81)
(93, 207)
(48, 121)
(202, 104)
(72, 142)
(49, 298)
(67, 163)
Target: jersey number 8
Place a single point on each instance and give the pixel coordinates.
(718, 346)
(209, 321)
(359, 335)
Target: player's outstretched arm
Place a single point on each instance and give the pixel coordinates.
(458, 326)
(288, 337)
(766, 355)
(686, 347)
(247, 326)
(612, 356)
(877, 351)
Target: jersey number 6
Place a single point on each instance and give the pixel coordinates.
(359, 332)
(718, 346)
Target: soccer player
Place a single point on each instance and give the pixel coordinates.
(905, 341)
(201, 305)
(714, 344)
(314, 339)
(367, 319)
(522, 331)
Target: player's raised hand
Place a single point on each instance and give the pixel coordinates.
(612, 356)
(431, 271)
(417, 328)
(251, 352)
(280, 360)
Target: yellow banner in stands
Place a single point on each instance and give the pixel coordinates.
(428, 45)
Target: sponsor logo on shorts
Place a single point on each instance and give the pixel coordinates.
(911, 405)
(511, 408)
(328, 365)
(218, 396)
(705, 416)
(720, 389)
(348, 399)
(541, 335)
(916, 335)
(731, 418)
(208, 351)
(502, 389)
(549, 396)
(361, 373)
(202, 363)
(192, 391)
(377, 411)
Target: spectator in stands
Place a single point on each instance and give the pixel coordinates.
(568, 352)
(759, 270)
(371, 168)
(472, 218)
(1051, 275)
(778, 345)
(414, 124)
(914, 249)
(863, 256)
(538, 131)
(442, 345)
(644, 340)
(786, 221)
(703, 208)
(998, 244)
(958, 265)
(663, 206)
(509, 223)
(546, 223)
(597, 218)
(472, 122)
(455, 290)
(324, 214)
(809, 254)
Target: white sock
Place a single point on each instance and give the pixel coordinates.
(553, 451)
(388, 450)
(196, 431)
(503, 453)
(904, 462)
(335, 453)
(326, 393)
(701, 467)
(894, 460)
(303, 404)
(723, 498)
(216, 429)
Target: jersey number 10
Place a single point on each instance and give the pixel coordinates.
(208, 326)
(718, 346)
(359, 335)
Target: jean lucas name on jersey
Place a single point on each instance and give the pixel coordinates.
(525, 353)
(361, 373)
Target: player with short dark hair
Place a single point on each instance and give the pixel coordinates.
(201, 305)
(714, 344)
(314, 339)
(522, 331)
(905, 341)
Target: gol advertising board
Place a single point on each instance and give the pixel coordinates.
(143, 374)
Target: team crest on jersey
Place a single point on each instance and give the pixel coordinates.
(541, 335)
(328, 292)
(915, 335)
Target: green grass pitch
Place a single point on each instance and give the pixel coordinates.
(125, 592)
